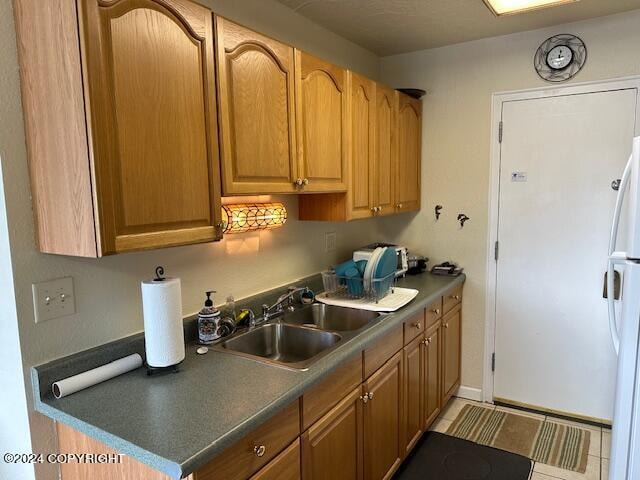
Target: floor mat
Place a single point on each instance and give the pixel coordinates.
(442, 457)
(548, 442)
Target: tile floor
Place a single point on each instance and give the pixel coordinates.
(599, 448)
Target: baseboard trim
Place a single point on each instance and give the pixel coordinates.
(469, 393)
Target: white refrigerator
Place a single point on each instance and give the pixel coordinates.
(624, 322)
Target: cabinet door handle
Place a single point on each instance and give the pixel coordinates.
(379, 208)
(259, 450)
(364, 398)
(436, 311)
(429, 340)
(398, 205)
(370, 395)
(305, 181)
(298, 182)
(374, 209)
(455, 297)
(446, 325)
(418, 325)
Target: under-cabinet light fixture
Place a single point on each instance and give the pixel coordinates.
(511, 7)
(246, 217)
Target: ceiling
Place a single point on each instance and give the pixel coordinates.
(389, 27)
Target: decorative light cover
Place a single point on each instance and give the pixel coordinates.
(509, 7)
(245, 217)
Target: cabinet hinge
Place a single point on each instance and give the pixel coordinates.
(500, 125)
(493, 362)
(496, 249)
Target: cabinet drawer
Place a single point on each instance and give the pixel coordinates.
(285, 466)
(414, 326)
(433, 312)
(378, 354)
(242, 459)
(451, 299)
(322, 397)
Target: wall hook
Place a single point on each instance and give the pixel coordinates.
(437, 210)
(462, 218)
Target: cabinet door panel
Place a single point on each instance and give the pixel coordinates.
(322, 117)
(362, 145)
(332, 447)
(257, 111)
(386, 149)
(432, 354)
(452, 325)
(150, 74)
(413, 387)
(285, 466)
(383, 449)
(407, 189)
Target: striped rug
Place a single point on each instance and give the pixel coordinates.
(547, 442)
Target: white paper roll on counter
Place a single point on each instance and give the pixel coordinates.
(83, 380)
(163, 329)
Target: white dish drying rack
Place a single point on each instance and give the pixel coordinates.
(354, 288)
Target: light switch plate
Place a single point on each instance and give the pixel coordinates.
(329, 241)
(53, 299)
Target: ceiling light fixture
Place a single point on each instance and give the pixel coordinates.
(511, 7)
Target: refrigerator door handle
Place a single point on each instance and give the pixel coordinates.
(616, 257)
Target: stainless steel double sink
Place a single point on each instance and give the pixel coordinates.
(298, 339)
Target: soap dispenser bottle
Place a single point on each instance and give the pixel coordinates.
(208, 321)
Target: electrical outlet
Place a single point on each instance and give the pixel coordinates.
(330, 241)
(53, 299)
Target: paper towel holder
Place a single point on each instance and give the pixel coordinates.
(159, 274)
(171, 368)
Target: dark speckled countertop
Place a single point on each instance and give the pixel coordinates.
(176, 423)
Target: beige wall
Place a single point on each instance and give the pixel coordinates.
(107, 290)
(459, 80)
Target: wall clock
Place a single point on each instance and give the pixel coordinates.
(560, 57)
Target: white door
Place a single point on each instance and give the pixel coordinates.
(559, 156)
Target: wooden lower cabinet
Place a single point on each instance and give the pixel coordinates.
(451, 342)
(413, 388)
(332, 448)
(432, 354)
(285, 466)
(383, 420)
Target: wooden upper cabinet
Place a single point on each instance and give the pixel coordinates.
(125, 156)
(149, 72)
(408, 167)
(322, 117)
(384, 171)
(257, 111)
(363, 135)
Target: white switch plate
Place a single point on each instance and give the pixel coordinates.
(329, 241)
(53, 299)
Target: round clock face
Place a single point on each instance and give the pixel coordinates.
(560, 58)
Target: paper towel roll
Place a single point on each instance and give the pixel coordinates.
(163, 330)
(83, 380)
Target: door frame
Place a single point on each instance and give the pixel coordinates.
(497, 101)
